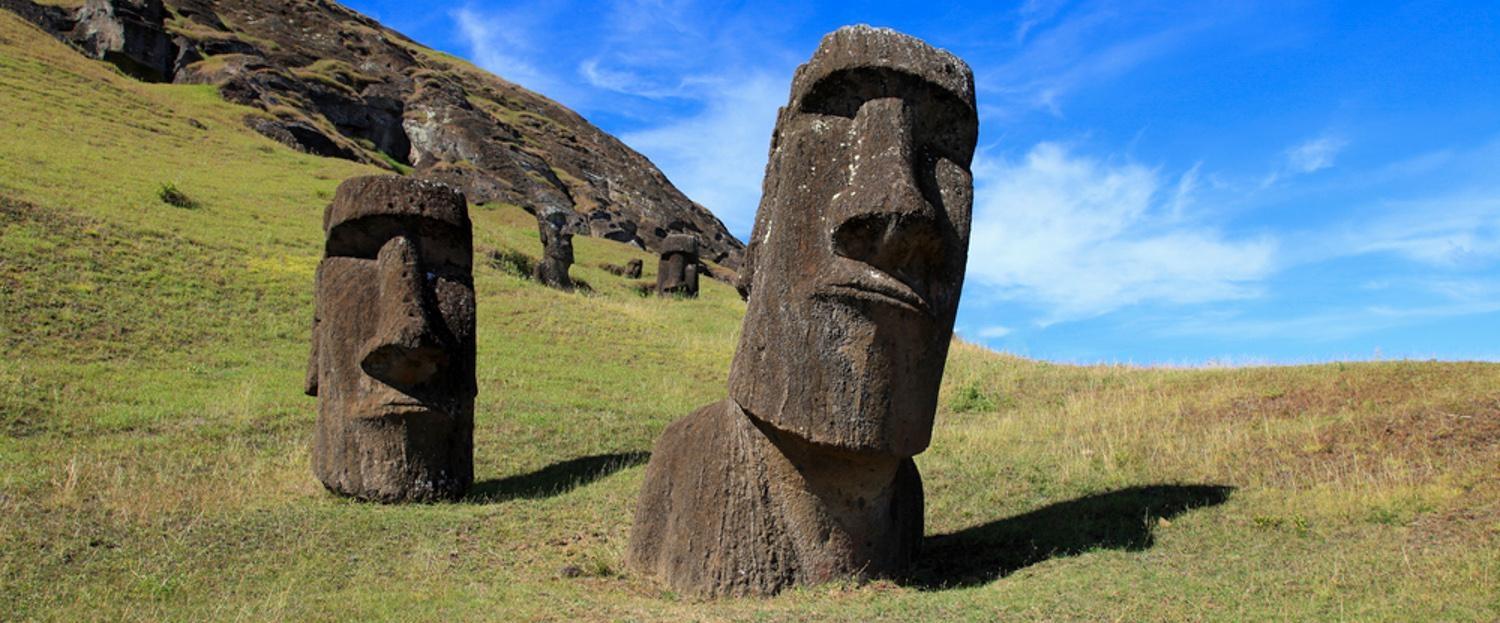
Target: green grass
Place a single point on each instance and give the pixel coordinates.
(154, 438)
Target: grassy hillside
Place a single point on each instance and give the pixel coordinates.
(153, 436)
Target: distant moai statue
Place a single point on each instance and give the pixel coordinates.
(557, 249)
(631, 269)
(678, 252)
(804, 473)
(392, 361)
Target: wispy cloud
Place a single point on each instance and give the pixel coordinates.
(1082, 237)
(1309, 156)
(1448, 231)
(1061, 49)
(1314, 155)
(1328, 325)
(1034, 13)
(718, 156)
(993, 332)
(499, 42)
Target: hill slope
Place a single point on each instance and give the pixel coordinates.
(153, 436)
(326, 80)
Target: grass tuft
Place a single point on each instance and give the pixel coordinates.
(171, 195)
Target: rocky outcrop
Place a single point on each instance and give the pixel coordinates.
(332, 82)
(129, 33)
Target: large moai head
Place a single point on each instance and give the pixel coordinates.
(857, 255)
(393, 342)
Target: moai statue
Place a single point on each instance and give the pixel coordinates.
(392, 359)
(804, 473)
(678, 251)
(631, 269)
(557, 250)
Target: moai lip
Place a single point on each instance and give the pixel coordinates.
(854, 267)
(392, 361)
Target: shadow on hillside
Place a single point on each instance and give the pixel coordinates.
(554, 479)
(1121, 519)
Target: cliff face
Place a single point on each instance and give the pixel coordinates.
(329, 81)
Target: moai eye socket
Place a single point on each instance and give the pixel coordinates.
(944, 127)
(438, 243)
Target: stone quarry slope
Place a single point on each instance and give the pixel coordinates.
(329, 81)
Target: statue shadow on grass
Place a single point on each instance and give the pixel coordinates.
(555, 479)
(1123, 520)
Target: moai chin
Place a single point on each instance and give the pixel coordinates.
(557, 250)
(392, 361)
(678, 252)
(804, 473)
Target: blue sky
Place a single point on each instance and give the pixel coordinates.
(1178, 183)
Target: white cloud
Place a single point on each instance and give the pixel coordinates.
(1066, 49)
(1323, 325)
(1035, 13)
(498, 43)
(1082, 238)
(1182, 199)
(1314, 155)
(625, 81)
(993, 332)
(1308, 157)
(1461, 229)
(718, 156)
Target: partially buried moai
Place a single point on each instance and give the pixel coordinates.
(804, 473)
(557, 250)
(392, 359)
(677, 272)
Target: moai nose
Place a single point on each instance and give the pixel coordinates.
(403, 352)
(882, 218)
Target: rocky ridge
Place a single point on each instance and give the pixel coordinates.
(329, 81)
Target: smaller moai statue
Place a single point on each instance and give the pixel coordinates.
(557, 250)
(631, 269)
(673, 277)
(392, 361)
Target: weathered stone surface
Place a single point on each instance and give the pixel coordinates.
(677, 273)
(804, 474)
(557, 250)
(392, 361)
(129, 33)
(729, 508)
